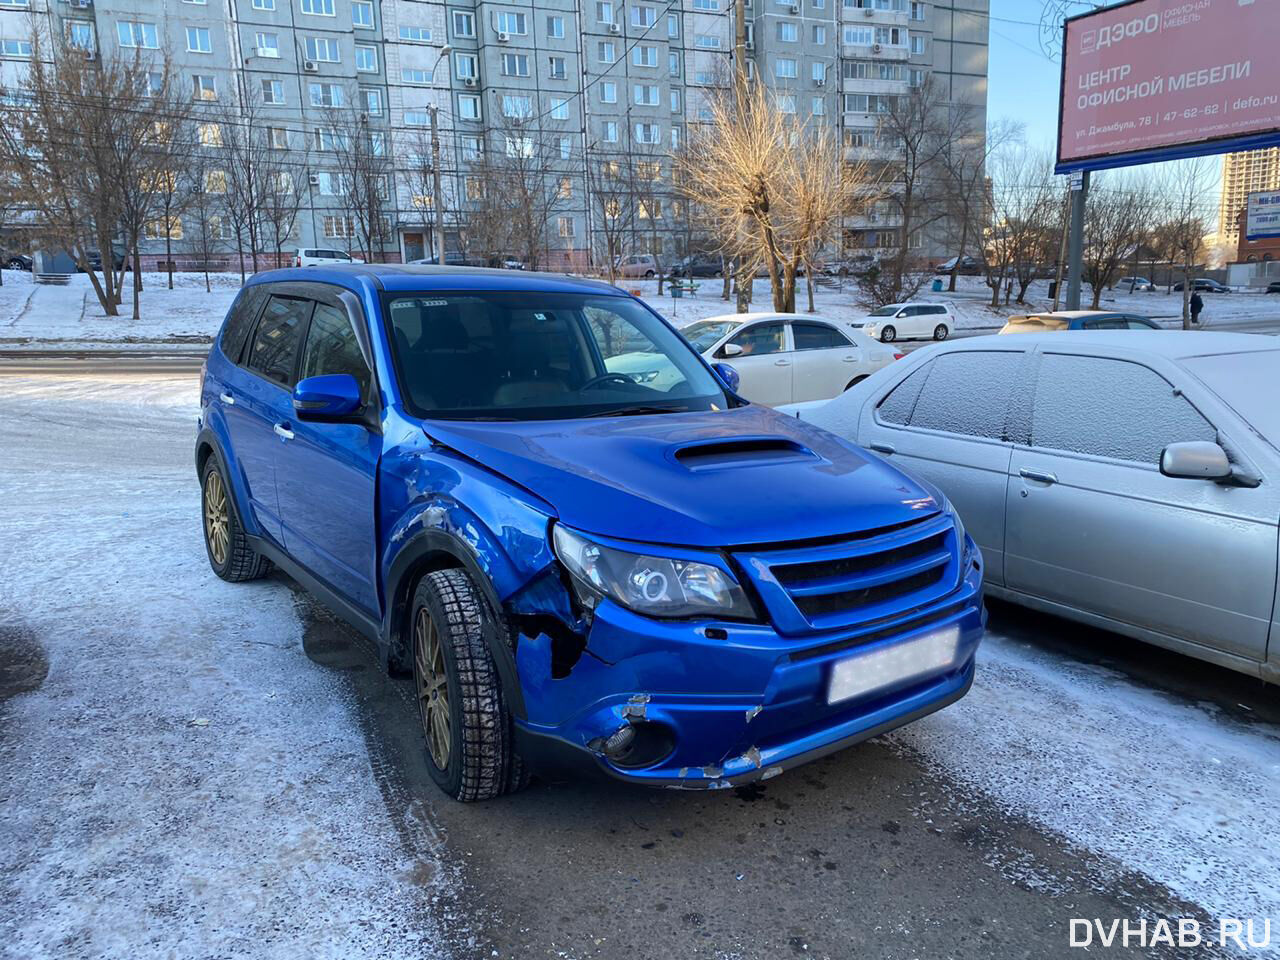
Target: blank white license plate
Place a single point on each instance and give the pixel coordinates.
(890, 666)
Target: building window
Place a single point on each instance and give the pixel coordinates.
(198, 40)
(675, 100)
(417, 118)
(820, 35)
(646, 95)
(80, 34)
(372, 101)
(215, 181)
(267, 45)
(644, 56)
(784, 68)
(786, 103)
(203, 87)
(323, 141)
(264, 4)
(278, 138)
(858, 36)
(210, 134)
(415, 34)
(326, 95)
(649, 209)
(610, 131)
(564, 226)
(159, 229)
(706, 41)
(469, 106)
(917, 10)
(17, 48)
(515, 65)
(362, 14)
(917, 78)
(566, 148)
(366, 58)
(329, 184)
(788, 32)
(917, 45)
(464, 24)
(819, 106)
(608, 52)
(673, 63)
(565, 190)
(414, 76)
(673, 25)
(608, 92)
(132, 33)
(555, 27)
(323, 49)
(818, 72)
(472, 148)
(516, 106)
(465, 66)
(512, 22)
(643, 16)
(604, 13)
(520, 147)
(319, 8)
(706, 4)
(675, 138)
(559, 108)
(272, 92)
(339, 228)
(648, 133)
(556, 68)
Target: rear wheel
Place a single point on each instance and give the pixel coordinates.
(229, 551)
(888, 334)
(465, 725)
(940, 332)
(649, 274)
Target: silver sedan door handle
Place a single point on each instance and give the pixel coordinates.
(883, 447)
(782, 363)
(283, 431)
(228, 399)
(1037, 475)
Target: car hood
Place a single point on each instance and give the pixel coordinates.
(715, 478)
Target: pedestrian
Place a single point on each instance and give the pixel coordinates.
(1196, 306)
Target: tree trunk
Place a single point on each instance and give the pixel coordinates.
(137, 282)
(168, 250)
(808, 282)
(724, 269)
(240, 253)
(995, 293)
(1186, 296)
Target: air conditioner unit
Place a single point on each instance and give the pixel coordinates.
(503, 37)
(313, 179)
(615, 28)
(869, 12)
(91, 54)
(876, 48)
(310, 66)
(795, 9)
(820, 81)
(364, 118)
(468, 81)
(750, 45)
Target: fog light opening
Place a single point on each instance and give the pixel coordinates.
(649, 744)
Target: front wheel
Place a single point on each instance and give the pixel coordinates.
(16, 264)
(940, 332)
(888, 334)
(465, 724)
(649, 274)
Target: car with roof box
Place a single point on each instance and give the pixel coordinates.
(666, 584)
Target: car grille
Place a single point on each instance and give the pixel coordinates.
(858, 580)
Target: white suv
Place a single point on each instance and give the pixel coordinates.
(910, 321)
(322, 256)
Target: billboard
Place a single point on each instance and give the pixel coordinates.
(1161, 79)
(1262, 215)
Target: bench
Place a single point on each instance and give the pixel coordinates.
(682, 285)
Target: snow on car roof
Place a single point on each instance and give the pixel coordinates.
(1174, 344)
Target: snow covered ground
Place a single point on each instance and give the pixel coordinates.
(179, 778)
(35, 316)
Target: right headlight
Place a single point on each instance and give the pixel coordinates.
(650, 584)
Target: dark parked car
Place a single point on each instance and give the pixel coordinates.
(18, 261)
(1273, 286)
(665, 584)
(1204, 285)
(699, 266)
(95, 260)
(969, 266)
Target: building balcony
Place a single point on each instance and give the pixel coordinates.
(894, 87)
(875, 51)
(879, 18)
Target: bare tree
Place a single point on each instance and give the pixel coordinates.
(966, 166)
(282, 196)
(205, 211)
(1184, 193)
(364, 167)
(237, 130)
(652, 199)
(526, 176)
(1024, 213)
(768, 185)
(613, 204)
(1117, 218)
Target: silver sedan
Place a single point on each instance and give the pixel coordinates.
(1132, 483)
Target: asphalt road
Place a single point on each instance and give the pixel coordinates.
(879, 851)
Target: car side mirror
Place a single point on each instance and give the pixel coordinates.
(1195, 460)
(331, 396)
(728, 375)
(731, 350)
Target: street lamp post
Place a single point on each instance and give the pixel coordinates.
(437, 195)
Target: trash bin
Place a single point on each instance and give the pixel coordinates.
(1053, 289)
(937, 284)
(677, 291)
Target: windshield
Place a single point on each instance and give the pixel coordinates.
(705, 333)
(885, 311)
(541, 356)
(1249, 383)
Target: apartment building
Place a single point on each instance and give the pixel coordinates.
(568, 82)
(1242, 174)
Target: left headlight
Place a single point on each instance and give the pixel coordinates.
(656, 586)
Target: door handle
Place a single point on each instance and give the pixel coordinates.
(782, 363)
(1037, 475)
(283, 432)
(850, 359)
(228, 399)
(883, 447)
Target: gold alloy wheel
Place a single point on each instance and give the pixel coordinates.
(216, 520)
(433, 688)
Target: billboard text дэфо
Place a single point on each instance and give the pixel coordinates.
(1161, 79)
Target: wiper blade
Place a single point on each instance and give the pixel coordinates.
(636, 411)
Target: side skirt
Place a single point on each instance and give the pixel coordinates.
(334, 602)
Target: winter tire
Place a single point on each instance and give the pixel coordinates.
(888, 334)
(230, 554)
(465, 725)
(940, 332)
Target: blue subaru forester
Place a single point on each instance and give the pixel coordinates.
(670, 585)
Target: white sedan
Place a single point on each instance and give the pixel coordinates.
(780, 357)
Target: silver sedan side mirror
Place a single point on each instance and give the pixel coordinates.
(1195, 460)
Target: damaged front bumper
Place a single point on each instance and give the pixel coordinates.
(714, 705)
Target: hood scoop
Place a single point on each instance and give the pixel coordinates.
(742, 452)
